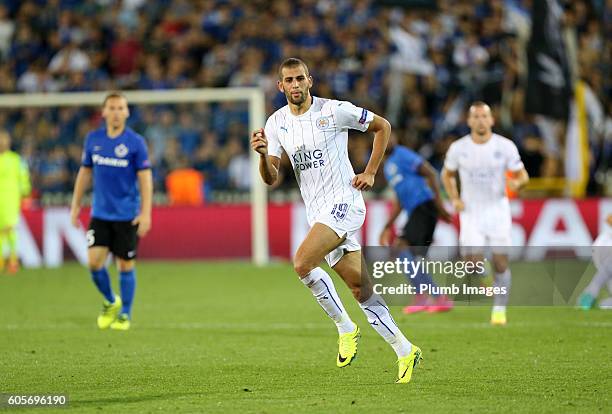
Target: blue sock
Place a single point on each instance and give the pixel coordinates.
(103, 283)
(421, 276)
(127, 282)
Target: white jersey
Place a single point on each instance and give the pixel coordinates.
(317, 145)
(482, 169)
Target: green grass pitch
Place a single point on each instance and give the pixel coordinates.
(228, 337)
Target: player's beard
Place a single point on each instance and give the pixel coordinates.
(482, 131)
(296, 101)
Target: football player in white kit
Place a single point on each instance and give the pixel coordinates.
(314, 133)
(481, 159)
(602, 258)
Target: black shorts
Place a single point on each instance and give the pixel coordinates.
(419, 229)
(120, 237)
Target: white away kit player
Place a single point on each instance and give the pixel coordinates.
(314, 133)
(482, 159)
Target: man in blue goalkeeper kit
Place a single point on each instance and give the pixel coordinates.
(417, 191)
(116, 157)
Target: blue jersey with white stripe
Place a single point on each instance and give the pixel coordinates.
(402, 173)
(115, 163)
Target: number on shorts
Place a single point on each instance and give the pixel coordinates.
(91, 238)
(339, 211)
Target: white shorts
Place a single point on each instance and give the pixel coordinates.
(346, 221)
(487, 226)
(602, 253)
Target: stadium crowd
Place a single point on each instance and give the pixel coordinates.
(417, 65)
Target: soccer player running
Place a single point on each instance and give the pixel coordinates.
(116, 157)
(14, 185)
(314, 133)
(482, 159)
(417, 192)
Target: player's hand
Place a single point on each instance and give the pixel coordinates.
(74, 216)
(363, 181)
(259, 143)
(144, 224)
(385, 237)
(458, 205)
(514, 185)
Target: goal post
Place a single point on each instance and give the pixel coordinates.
(256, 110)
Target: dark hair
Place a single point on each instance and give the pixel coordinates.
(113, 94)
(479, 104)
(291, 63)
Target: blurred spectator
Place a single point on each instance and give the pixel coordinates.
(188, 133)
(239, 167)
(37, 79)
(7, 28)
(124, 54)
(54, 171)
(69, 59)
(184, 184)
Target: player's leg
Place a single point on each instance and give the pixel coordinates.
(124, 246)
(13, 257)
(3, 240)
(98, 239)
(127, 286)
(319, 241)
(96, 258)
(421, 301)
(413, 245)
(5, 219)
(602, 259)
(503, 281)
(352, 269)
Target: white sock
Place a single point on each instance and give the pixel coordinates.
(380, 319)
(503, 279)
(322, 287)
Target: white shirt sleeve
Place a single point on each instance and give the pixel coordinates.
(513, 159)
(451, 161)
(350, 116)
(274, 146)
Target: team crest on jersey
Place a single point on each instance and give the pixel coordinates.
(322, 122)
(121, 150)
(497, 154)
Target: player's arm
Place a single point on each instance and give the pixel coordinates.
(145, 185)
(268, 164)
(518, 180)
(520, 177)
(382, 131)
(429, 173)
(449, 181)
(385, 236)
(83, 180)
